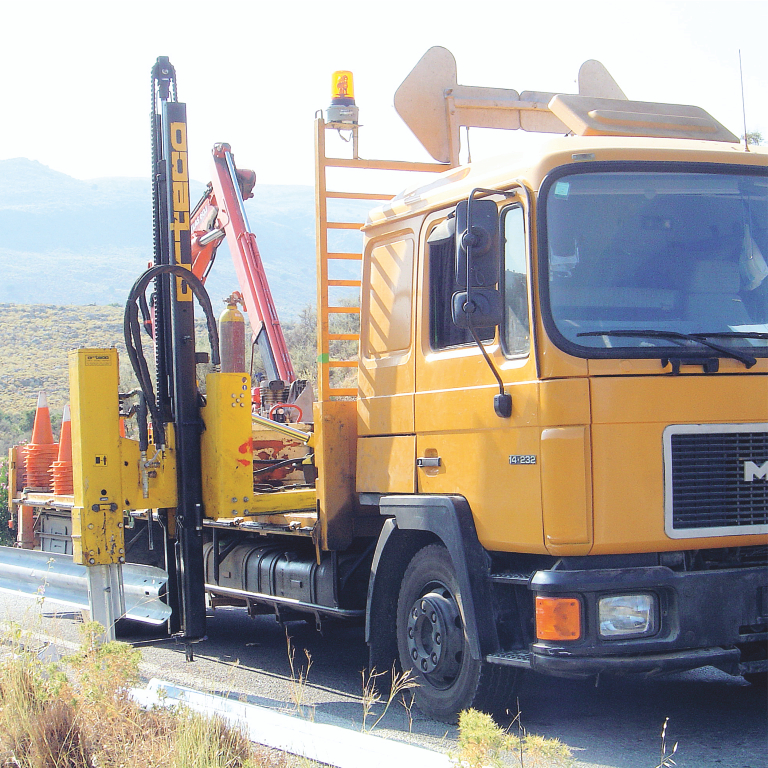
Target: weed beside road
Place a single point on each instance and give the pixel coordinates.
(76, 713)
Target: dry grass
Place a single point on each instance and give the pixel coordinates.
(299, 679)
(77, 714)
(400, 685)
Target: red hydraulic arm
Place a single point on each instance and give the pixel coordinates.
(221, 214)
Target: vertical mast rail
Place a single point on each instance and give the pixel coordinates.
(174, 310)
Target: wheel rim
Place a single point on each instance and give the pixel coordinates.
(435, 636)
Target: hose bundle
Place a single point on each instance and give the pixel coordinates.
(132, 332)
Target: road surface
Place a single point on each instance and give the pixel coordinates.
(718, 721)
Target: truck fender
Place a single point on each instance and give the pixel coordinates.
(414, 522)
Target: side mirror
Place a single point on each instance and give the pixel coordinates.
(477, 244)
(477, 265)
(483, 308)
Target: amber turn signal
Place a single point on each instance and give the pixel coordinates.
(558, 618)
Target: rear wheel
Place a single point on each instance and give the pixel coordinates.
(432, 643)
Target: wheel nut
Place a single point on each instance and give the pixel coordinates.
(424, 664)
(415, 613)
(433, 617)
(410, 632)
(438, 638)
(434, 658)
(414, 654)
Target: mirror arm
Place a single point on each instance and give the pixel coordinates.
(502, 403)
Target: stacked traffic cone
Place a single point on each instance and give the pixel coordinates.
(61, 470)
(25, 526)
(21, 468)
(41, 451)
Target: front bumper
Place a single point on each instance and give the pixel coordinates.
(704, 616)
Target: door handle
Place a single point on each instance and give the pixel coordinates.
(428, 461)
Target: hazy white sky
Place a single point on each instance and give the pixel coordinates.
(77, 73)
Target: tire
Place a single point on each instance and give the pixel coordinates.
(432, 643)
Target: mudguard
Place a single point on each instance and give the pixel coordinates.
(449, 519)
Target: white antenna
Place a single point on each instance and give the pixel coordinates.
(743, 105)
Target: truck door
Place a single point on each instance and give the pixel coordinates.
(386, 446)
(462, 446)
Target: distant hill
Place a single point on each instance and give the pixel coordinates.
(69, 241)
(34, 344)
(35, 340)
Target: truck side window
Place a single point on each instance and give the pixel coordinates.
(516, 336)
(441, 245)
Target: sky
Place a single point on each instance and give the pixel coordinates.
(76, 88)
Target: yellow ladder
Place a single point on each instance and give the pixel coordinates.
(324, 310)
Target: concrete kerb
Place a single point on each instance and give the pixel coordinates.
(323, 743)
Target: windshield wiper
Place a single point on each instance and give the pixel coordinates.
(732, 335)
(742, 357)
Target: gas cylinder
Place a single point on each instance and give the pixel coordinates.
(232, 336)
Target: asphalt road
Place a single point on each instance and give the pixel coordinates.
(717, 720)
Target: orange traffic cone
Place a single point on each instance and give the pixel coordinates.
(42, 434)
(41, 451)
(61, 470)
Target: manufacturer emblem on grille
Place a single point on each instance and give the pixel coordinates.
(715, 479)
(754, 472)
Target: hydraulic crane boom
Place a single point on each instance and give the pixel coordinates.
(221, 213)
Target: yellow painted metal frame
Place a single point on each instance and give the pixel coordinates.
(335, 459)
(160, 474)
(98, 531)
(227, 446)
(281, 502)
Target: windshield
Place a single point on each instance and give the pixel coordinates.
(674, 254)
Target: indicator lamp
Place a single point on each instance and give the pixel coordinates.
(558, 618)
(342, 109)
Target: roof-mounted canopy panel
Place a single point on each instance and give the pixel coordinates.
(589, 116)
(435, 106)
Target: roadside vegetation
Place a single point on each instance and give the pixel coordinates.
(76, 713)
(484, 744)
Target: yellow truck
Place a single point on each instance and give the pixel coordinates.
(555, 457)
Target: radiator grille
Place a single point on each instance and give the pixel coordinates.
(706, 483)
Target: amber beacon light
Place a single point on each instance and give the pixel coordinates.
(343, 108)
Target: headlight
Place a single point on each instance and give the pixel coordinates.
(622, 616)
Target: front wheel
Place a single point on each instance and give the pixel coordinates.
(432, 643)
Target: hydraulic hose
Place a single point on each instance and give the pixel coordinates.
(132, 333)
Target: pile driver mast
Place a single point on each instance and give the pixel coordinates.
(175, 358)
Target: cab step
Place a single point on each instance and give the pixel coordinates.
(511, 659)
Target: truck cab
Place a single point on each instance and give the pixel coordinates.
(615, 519)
